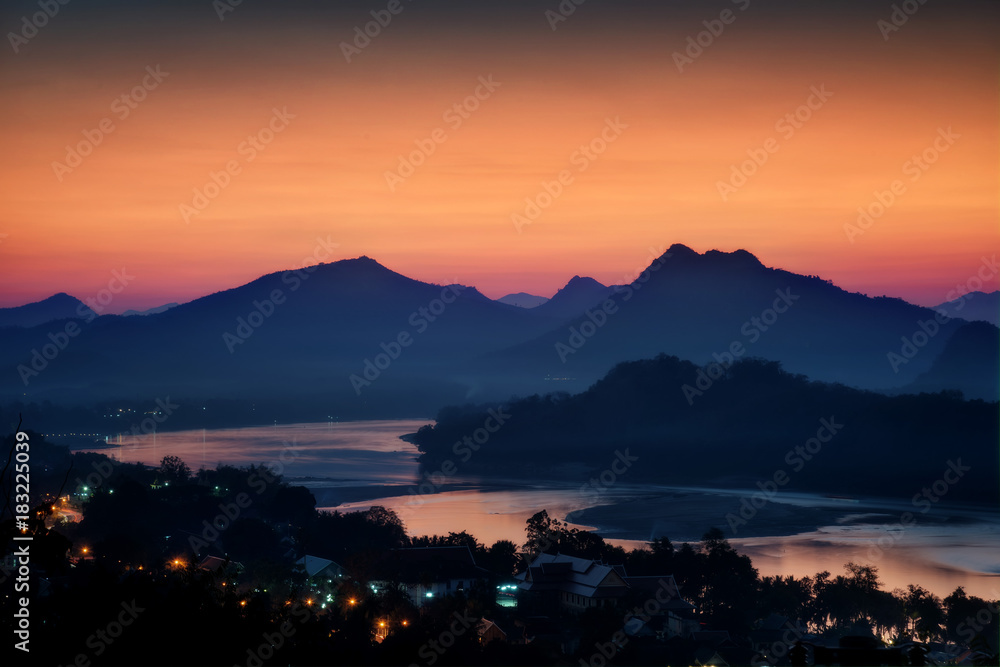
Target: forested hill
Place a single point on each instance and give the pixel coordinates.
(749, 423)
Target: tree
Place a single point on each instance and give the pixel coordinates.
(173, 469)
(542, 532)
(926, 611)
(502, 558)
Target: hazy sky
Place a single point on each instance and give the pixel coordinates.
(661, 134)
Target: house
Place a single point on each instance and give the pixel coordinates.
(426, 573)
(490, 631)
(317, 569)
(572, 583)
(575, 584)
(672, 617)
(218, 565)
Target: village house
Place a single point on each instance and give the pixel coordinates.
(567, 583)
(426, 573)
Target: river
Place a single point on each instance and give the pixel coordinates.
(351, 466)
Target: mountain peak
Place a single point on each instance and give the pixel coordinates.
(577, 282)
(678, 250)
(739, 258)
(59, 306)
(578, 294)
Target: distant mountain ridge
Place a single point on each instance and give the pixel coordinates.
(354, 338)
(150, 311)
(974, 307)
(718, 307)
(523, 300)
(59, 306)
(575, 297)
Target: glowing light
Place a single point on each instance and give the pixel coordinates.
(352, 601)
(243, 603)
(381, 624)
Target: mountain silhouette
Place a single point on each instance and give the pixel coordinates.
(57, 307)
(973, 307)
(522, 300)
(970, 359)
(720, 307)
(575, 297)
(151, 311)
(293, 335)
(743, 427)
(356, 339)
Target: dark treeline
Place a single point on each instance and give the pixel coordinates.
(731, 595)
(737, 428)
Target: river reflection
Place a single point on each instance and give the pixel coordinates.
(351, 466)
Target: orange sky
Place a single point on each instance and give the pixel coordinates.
(323, 176)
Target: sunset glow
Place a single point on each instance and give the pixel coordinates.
(323, 175)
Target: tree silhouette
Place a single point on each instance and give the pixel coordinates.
(173, 469)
